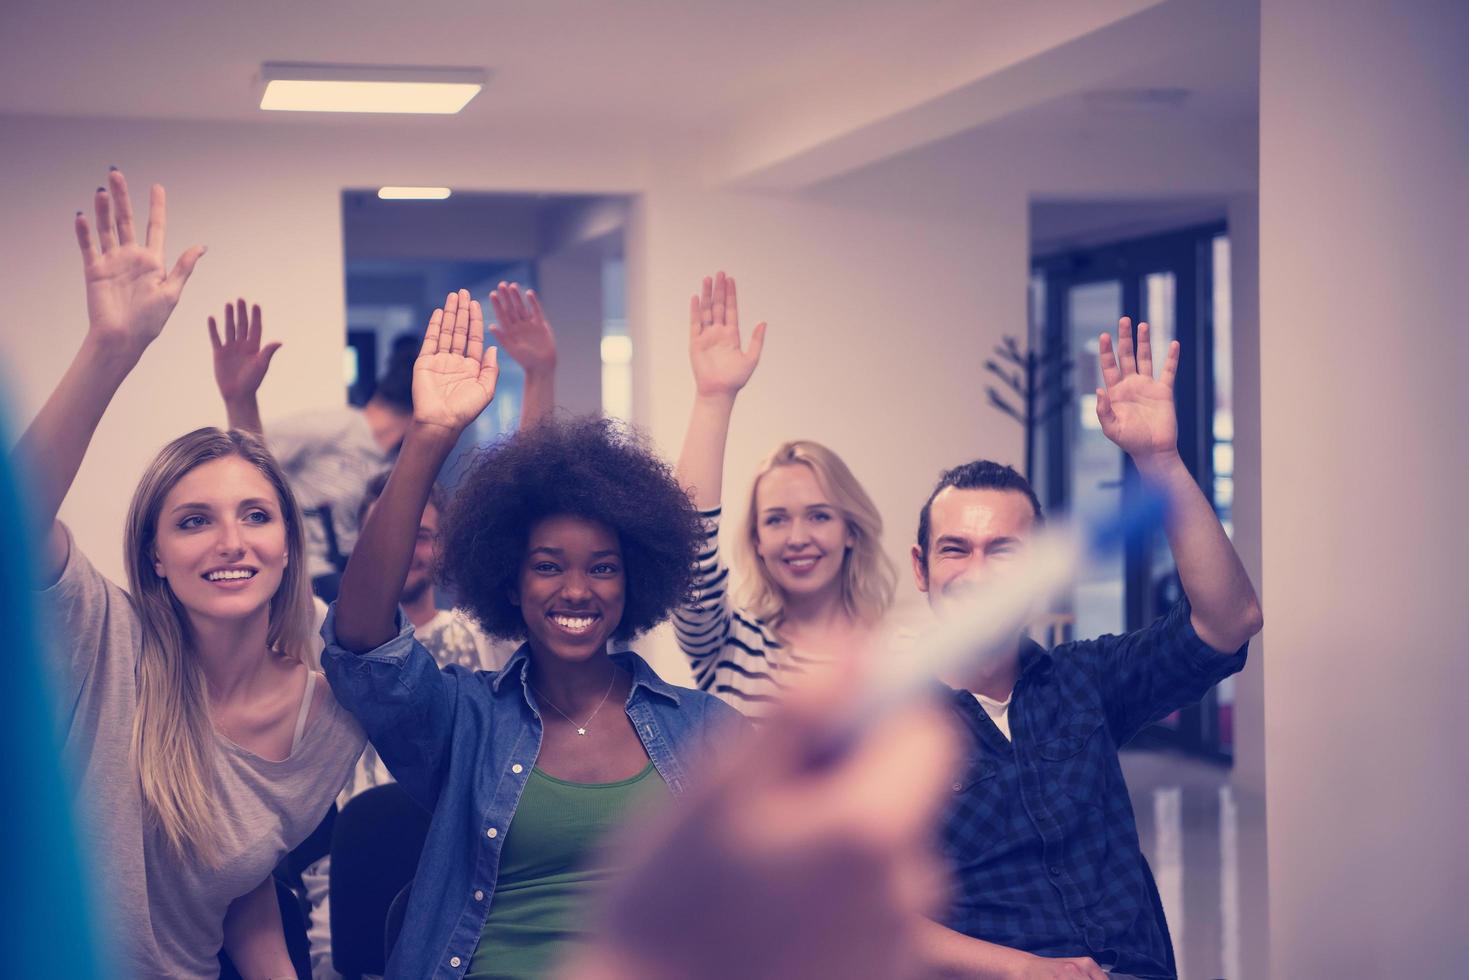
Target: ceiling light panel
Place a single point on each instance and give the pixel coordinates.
(346, 88)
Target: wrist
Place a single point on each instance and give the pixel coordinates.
(434, 437)
(1159, 466)
(721, 400)
(540, 372)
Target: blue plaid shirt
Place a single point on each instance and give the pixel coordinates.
(1040, 833)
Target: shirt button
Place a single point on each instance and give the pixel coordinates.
(958, 787)
(479, 896)
(454, 962)
(517, 769)
(492, 833)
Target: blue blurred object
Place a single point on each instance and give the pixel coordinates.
(48, 928)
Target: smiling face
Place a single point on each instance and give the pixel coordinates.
(221, 540)
(801, 537)
(573, 587)
(973, 534)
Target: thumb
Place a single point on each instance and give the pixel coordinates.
(1104, 408)
(757, 343)
(269, 352)
(184, 267)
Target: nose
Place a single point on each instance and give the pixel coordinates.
(575, 587)
(800, 534)
(230, 542)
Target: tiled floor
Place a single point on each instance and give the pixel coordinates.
(1190, 824)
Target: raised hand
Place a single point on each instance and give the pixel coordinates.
(130, 292)
(1136, 410)
(454, 376)
(240, 362)
(522, 329)
(721, 366)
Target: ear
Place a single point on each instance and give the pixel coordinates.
(920, 573)
(158, 566)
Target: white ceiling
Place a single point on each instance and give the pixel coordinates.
(740, 87)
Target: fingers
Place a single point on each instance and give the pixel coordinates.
(731, 304)
(214, 340)
(106, 232)
(184, 267)
(497, 301)
(476, 346)
(157, 219)
(539, 314)
(1144, 351)
(460, 337)
(489, 370)
(706, 303)
(1111, 373)
(123, 205)
(84, 239)
(242, 323)
(757, 343)
(1105, 414)
(517, 302)
(1127, 360)
(431, 335)
(696, 318)
(255, 327)
(1170, 366)
(229, 323)
(717, 309)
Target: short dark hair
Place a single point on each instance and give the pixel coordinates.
(379, 483)
(592, 468)
(982, 474)
(395, 387)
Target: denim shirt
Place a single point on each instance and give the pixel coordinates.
(1039, 831)
(463, 743)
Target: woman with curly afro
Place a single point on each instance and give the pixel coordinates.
(566, 536)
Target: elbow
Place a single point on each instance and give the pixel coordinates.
(1254, 619)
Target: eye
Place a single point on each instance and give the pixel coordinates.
(605, 568)
(821, 515)
(773, 520)
(258, 517)
(545, 568)
(951, 549)
(191, 523)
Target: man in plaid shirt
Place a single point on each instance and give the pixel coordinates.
(1051, 881)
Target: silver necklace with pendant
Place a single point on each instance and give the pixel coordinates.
(582, 728)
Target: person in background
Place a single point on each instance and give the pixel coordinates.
(204, 747)
(566, 535)
(810, 537)
(1050, 879)
(329, 455)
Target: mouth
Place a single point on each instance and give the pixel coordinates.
(576, 624)
(230, 576)
(800, 563)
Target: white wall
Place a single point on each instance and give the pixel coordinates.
(1363, 234)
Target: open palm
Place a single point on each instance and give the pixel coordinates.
(721, 367)
(522, 329)
(1137, 410)
(130, 291)
(454, 376)
(240, 361)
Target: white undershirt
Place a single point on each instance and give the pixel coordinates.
(999, 712)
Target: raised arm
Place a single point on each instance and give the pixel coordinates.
(721, 369)
(130, 294)
(453, 380)
(522, 329)
(1137, 413)
(240, 364)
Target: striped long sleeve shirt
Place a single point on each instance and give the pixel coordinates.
(734, 655)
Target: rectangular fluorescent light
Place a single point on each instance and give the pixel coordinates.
(413, 193)
(346, 88)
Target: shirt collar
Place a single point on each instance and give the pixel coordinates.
(643, 676)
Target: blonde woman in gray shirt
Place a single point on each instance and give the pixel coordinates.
(205, 749)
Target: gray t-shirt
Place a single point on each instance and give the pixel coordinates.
(328, 457)
(167, 915)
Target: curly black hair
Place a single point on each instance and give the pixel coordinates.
(587, 467)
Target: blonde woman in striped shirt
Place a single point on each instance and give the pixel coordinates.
(810, 543)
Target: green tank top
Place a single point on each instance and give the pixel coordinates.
(551, 868)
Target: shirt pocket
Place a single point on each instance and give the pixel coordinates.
(1072, 759)
(979, 814)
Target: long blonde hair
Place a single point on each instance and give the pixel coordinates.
(868, 577)
(173, 735)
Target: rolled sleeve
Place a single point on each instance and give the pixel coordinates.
(403, 701)
(1148, 674)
